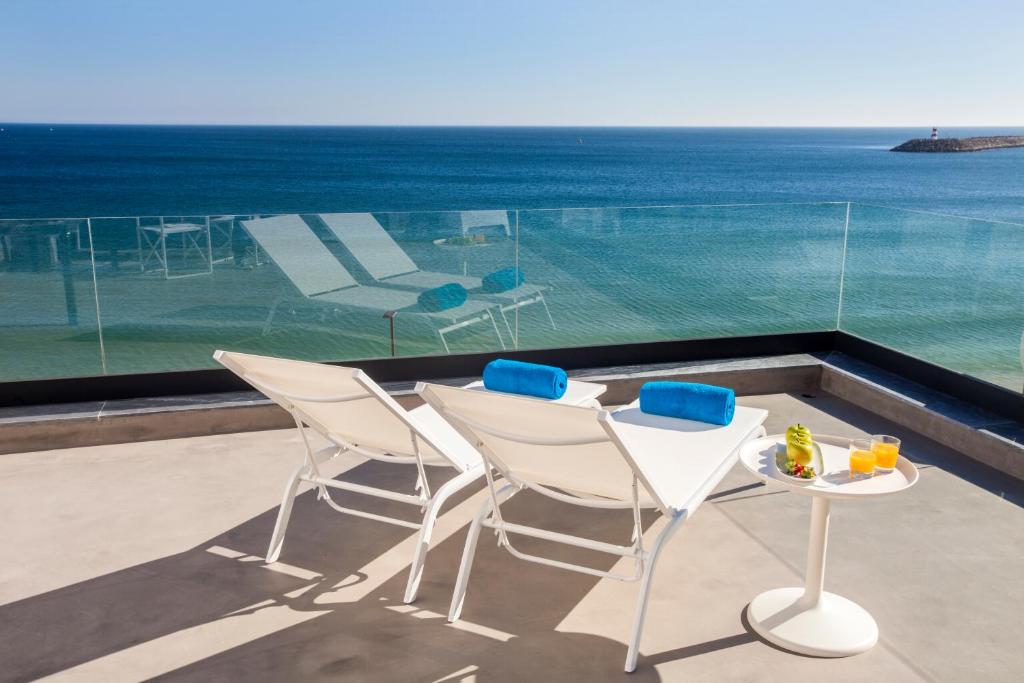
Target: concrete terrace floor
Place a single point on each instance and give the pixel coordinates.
(142, 560)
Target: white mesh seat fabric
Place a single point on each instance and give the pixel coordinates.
(320, 277)
(354, 414)
(387, 262)
(590, 458)
(347, 408)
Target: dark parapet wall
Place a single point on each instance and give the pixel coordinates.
(960, 144)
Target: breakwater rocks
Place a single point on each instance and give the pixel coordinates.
(960, 144)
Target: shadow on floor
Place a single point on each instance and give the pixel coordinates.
(217, 612)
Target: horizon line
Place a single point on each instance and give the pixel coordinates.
(496, 125)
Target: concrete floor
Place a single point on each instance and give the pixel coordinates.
(143, 560)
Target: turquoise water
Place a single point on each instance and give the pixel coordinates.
(946, 289)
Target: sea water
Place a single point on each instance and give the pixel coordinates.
(65, 170)
(946, 289)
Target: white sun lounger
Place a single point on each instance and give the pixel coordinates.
(321, 278)
(592, 458)
(354, 414)
(388, 264)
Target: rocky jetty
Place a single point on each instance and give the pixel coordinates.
(960, 144)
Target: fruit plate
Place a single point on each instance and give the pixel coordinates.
(817, 462)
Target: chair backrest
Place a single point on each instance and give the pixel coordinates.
(370, 244)
(484, 219)
(342, 404)
(538, 442)
(300, 254)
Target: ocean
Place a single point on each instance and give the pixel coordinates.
(746, 231)
(76, 171)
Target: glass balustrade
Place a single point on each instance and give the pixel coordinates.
(945, 289)
(92, 296)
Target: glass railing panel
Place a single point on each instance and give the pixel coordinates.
(311, 286)
(944, 289)
(404, 255)
(47, 301)
(171, 289)
(166, 295)
(649, 274)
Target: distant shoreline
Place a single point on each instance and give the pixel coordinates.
(976, 144)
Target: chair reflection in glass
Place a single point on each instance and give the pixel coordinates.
(195, 239)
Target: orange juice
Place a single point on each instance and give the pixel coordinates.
(886, 454)
(862, 462)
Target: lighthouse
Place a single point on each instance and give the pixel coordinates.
(935, 133)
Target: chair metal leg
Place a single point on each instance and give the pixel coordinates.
(645, 587)
(270, 315)
(209, 247)
(163, 250)
(511, 334)
(419, 558)
(459, 596)
(496, 332)
(547, 310)
(277, 539)
(138, 241)
(444, 342)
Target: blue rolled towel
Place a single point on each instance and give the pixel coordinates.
(444, 297)
(689, 401)
(503, 280)
(530, 379)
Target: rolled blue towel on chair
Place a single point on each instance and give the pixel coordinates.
(444, 297)
(503, 280)
(529, 379)
(689, 401)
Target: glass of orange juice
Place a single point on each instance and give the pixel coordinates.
(862, 459)
(886, 450)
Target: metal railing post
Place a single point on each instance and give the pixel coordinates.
(842, 267)
(390, 315)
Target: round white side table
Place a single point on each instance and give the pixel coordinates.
(808, 619)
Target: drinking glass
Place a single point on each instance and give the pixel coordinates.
(887, 452)
(862, 459)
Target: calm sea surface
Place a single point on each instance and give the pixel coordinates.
(945, 289)
(133, 170)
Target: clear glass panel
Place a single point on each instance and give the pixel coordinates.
(647, 274)
(170, 290)
(945, 289)
(47, 301)
(407, 254)
(312, 286)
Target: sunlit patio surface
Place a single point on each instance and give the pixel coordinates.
(133, 561)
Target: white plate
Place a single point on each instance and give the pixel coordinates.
(817, 462)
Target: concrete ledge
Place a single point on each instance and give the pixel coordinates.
(977, 434)
(985, 437)
(749, 376)
(66, 426)
(38, 435)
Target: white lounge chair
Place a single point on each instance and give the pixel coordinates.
(321, 278)
(592, 458)
(353, 413)
(388, 264)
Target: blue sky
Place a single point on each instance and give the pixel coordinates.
(721, 62)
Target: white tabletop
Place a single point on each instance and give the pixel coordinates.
(834, 481)
(682, 460)
(174, 228)
(576, 393)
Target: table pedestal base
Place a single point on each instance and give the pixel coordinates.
(831, 627)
